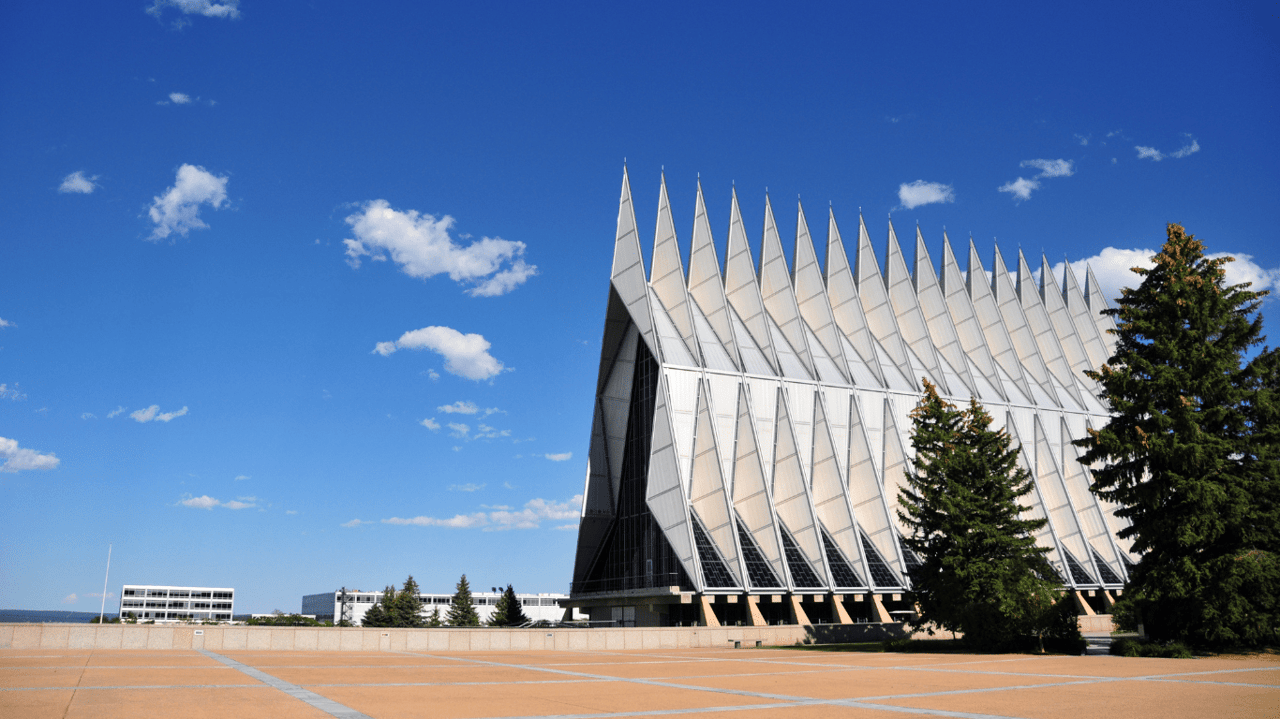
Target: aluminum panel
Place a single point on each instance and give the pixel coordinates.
(707, 493)
(674, 351)
(714, 354)
(665, 495)
(724, 413)
(987, 311)
(1020, 332)
(627, 275)
(800, 408)
(866, 492)
(682, 389)
(823, 335)
(1045, 536)
(906, 310)
(875, 301)
(1047, 339)
(791, 500)
(751, 495)
(966, 328)
(753, 360)
(1082, 318)
(1058, 503)
(1106, 324)
(764, 405)
(1063, 326)
(830, 502)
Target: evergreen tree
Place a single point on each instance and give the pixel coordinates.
(461, 612)
(980, 570)
(381, 614)
(1190, 452)
(434, 619)
(407, 611)
(508, 612)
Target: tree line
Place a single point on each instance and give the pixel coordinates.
(404, 608)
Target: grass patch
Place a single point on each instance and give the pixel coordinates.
(1127, 647)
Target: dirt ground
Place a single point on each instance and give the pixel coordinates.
(725, 683)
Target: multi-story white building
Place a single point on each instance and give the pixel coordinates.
(352, 605)
(175, 604)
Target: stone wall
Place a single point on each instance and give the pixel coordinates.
(236, 638)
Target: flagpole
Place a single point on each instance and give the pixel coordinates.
(103, 610)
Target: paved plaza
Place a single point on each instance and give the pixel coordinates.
(725, 683)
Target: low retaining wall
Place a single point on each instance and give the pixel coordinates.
(355, 639)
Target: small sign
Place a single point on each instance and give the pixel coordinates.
(199, 632)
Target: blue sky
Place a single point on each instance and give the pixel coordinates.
(296, 296)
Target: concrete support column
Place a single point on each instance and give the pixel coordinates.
(838, 614)
(1082, 605)
(753, 611)
(708, 613)
(1107, 601)
(878, 612)
(797, 612)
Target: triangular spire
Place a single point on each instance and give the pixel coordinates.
(1050, 344)
(811, 296)
(1066, 523)
(666, 275)
(742, 289)
(907, 313)
(705, 283)
(1020, 332)
(628, 269)
(876, 305)
(993, 328)
(1063, 326)
(846, 306)
(964, 323)
(779, 298)
(866, 494)
(1083, 319)
(1097, 303)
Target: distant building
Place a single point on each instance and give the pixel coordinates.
(332, 607)
(751, 428)
(177, 604)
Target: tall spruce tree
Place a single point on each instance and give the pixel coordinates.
(434, 620)
(461, 612)
(1190, 452)
(980, 570)
(508, 612)
(407, 611)
(382, 613)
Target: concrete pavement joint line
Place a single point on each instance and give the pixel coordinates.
(1220, 684)
(324, 704)
(789, 700)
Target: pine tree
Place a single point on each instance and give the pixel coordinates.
(381, 614)
(407, 611)
(508, 612)
(461, 612)
(980, 570)
(434, 619)
(1190, 453)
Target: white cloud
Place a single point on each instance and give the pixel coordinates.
(1151, 153)
(915, 194)
(153, 413)
(1083, 139)
(13, 393)
(465, 355)
(354, 523)
(559, 457)
(17, 459)
(5, 323)
(1112, 266)
(458, 429)
(119, 410)
(1020, 188)
(422, 246)
(487, 432)
(459, 407)
(177, 210)
(1051, 168)
(179, 98)
(535, 511)
(430, 423)
(226, 8)
(239, 504)
(433, 375)
(202, 502)
(242, 477)
(88, 415)
(468, 487)
(290, 511)
(78, 182)
(70, 599)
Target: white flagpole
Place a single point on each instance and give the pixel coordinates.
(103, 610)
